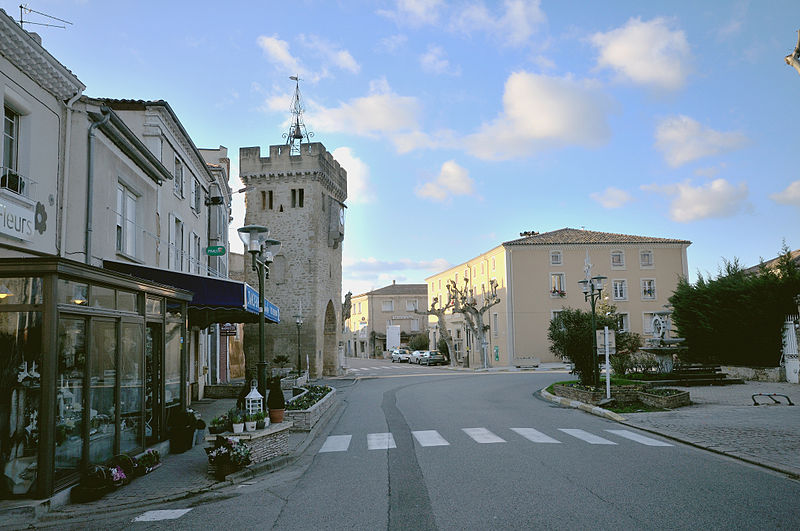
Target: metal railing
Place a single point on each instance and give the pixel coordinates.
(14, 181)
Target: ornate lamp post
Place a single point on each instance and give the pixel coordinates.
(298, 320)
(592, 288)
(261, 249)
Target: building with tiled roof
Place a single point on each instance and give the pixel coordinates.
(537, 276)
(372, 312)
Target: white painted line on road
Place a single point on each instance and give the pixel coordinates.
(586, 436)
(155, 516)
(535, 436)
(429, 438)
(638, 438)
(482, 435)
(380, 441)
(336, 443)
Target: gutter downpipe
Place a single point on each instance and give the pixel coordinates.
(65, 181)
(90, 181)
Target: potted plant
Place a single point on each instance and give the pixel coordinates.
(227, 456)
(250, 422)
(93, 486)
(218, 425)
(183, 426)
(275, 401)
(237, 422)
(281, 360)
(261, 421)
(147, 462)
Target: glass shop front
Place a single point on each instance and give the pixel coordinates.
(92, 364)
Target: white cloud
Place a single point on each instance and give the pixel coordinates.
(789, 196)
(737, 18)
(717, 199)
(359, 185)
(414, 12)
(683, 139)
(648, 53)
(452, 180)
(542, 111)
(514, 26)
(612, 197)
(277, 52)
(373, 265)
(435, 61)
(392, 43)
(331, 53)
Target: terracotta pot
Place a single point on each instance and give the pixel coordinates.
(276, 416)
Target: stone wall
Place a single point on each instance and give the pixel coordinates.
(305, 419)
(758, 374)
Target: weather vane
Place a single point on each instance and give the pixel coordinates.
(297, 129)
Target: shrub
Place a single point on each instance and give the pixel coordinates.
(570, 334)
(419, 342)
(275, 398)
(281, 360)
(315, 394)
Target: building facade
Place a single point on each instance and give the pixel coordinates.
(300, 199)
(537, 276)
(371, 314)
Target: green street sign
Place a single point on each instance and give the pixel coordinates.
(215, 250)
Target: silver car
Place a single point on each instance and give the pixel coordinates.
(400, 355)
(431, 357)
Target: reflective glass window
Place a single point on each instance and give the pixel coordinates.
(71, 292)
(103, 379)
(25, 290)
(69, 396)
(130, 382)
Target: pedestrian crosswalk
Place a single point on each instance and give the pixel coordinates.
(426, 438)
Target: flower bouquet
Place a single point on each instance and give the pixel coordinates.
(228, 456)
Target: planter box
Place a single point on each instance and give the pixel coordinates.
(264, 444)
(665, 402)
(304, 419)
(288, 382)
(622, 394)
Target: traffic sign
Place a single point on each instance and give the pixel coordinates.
(215, 250)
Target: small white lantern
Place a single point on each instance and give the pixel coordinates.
(254, 401)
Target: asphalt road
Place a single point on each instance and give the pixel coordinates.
(437, 449)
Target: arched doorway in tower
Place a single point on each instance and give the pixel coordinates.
(330, 350)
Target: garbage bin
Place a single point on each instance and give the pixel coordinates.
(182, 432)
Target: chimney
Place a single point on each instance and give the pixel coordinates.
(36, 37)
(394, 282)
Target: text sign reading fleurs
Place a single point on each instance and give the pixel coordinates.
(16, 217)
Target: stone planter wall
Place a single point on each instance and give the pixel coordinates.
(758, 374)
(288, 382)
(264, 444)
(623, 395)
(666, 402)
(304, 419)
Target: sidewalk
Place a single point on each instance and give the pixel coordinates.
(722, 419)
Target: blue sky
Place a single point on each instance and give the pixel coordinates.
(463, 123)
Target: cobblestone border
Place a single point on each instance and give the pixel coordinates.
(594, 410)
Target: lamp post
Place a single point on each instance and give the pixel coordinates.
(592, 288)
(261, 249)
(298, 320)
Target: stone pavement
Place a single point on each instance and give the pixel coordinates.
(723, 419)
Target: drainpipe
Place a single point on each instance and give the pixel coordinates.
(60, 243)
(90, 181)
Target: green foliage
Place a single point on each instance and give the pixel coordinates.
(281, 360)
(737, 318)
(570, 334)
(419, 342)
(315, 394)
(275, 399)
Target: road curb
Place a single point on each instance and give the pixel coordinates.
(575, 404)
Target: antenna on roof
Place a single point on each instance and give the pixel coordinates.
(23, 8)
(297, 129)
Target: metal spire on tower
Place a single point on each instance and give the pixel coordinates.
(297, 129)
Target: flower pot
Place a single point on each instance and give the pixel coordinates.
(238, 428)
(216, 430)
(250, 425)
(261, 424)
(276, 416)
(223, 469)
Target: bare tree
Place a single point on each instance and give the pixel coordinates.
(438, 311)
(793, 59)
(465, 303)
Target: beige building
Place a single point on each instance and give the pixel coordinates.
(371, 313)
(537, 276)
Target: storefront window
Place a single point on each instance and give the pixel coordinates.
(71, 292)
(24, 290)
(69, 396)
(153, 306)
(130, 373)
(126, 301)
(20, 390)
(172, 366)
(102, 297)
(174, 310)
(102, 380)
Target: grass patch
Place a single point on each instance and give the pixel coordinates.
(614, 381)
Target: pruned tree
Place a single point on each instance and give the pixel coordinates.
(465, 303)
(793, 59)
(438, 310)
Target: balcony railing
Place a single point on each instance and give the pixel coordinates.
(11, 179)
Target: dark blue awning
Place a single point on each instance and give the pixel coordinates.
(216, 300)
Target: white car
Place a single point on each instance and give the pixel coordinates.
(400, 355)
(415, 356)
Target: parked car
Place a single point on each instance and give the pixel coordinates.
(431, 357)
(415, 356)
(400, 355)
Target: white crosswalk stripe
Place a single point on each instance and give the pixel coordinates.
(638, 438)
(156, 516)
(429, 438)
(336, 443)
(586, 436)
(482, 435)
(535, 436)
(380, 441)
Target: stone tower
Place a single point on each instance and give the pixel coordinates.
(298, 193)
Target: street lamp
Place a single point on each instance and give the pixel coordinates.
(261, 249)
(592, 288)
(298, 320)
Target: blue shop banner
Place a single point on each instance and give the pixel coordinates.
(271, 312)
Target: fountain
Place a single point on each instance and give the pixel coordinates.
(664, 348)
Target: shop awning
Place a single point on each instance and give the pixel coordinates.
(215, 300)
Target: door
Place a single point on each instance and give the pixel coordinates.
(153, 354)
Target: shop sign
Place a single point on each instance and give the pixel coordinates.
(227, 329)
(215, 250)
(17, 216)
